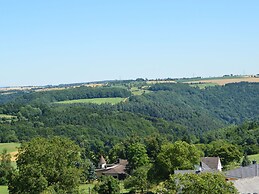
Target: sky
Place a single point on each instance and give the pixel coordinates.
(50, 42)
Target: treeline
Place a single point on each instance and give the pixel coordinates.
(82, 92)
(246, 136)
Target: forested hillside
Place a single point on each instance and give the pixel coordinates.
(176, 111)
(199, 109)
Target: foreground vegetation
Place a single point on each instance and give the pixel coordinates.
(58, 165)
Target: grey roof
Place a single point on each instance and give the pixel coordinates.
(247, 185)
(244, 172)
(208, 163)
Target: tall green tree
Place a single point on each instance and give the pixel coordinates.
(246, 161)
(137, 156)
(226, 151)
(198, 183)
(46, 164)
(175, 156)
(138, 180)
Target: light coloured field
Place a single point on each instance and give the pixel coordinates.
(7, 116)
(3, 189)
(20, 88)
(226, 81)
(160, 82)
(95, 101)
(94, 85)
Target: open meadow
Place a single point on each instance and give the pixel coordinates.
(94, 100)
(3, 189)
(254, 157)
(223, 81)
(11, 148)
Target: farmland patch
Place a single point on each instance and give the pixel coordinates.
(224, 81)
(95, 101)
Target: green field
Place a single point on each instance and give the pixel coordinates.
(94, 100)
(3, 190)
(84, 188)
(135, 91)
(203, 85)
(11, 147)
(254, 157)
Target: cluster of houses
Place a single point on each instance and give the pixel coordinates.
(245, 179)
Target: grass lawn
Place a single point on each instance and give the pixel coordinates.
(136, 91)
(254, 157)
(85, 187)
(11, 147)
(94, 100)
(3, 190)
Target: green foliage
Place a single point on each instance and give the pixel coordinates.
(226, 151)
(88, 171)
(177, 156)
(246, 161)
(5, 167)
(107, 185)
(46, 165)
(138, 180)
(205, 183)
(137, 156)
(153, 145)
(117, 151)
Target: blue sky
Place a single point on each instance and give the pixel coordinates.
(62, 41)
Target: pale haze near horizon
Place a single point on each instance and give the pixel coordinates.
(54, 42)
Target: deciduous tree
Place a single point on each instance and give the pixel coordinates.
(46, 164)
(175, 156)
(107, 185)
(198, 183)
(137, 156)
